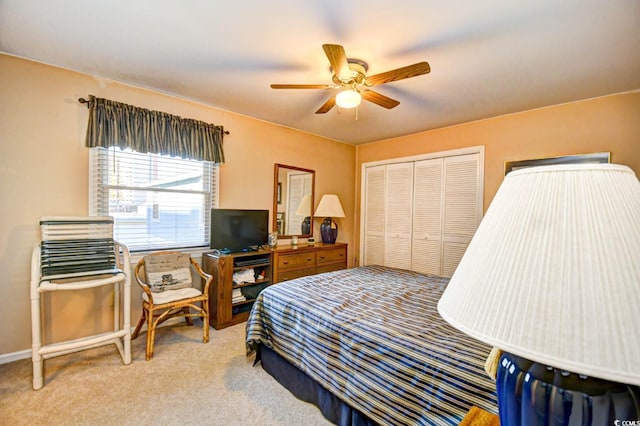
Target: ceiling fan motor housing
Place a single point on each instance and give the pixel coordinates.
(358, 69)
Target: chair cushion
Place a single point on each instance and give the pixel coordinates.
(173, 295)
(168, 271)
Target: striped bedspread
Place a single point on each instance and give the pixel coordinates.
(373, 337)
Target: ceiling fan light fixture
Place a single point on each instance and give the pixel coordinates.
(348, 99)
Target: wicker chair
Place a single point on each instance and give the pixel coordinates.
(168, 293)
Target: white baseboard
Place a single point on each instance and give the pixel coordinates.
(15, 356)
(26, 353)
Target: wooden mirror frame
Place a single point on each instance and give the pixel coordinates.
(282, 195)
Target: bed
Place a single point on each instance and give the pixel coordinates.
(368, 346)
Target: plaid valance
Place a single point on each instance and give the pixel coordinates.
(116, 124)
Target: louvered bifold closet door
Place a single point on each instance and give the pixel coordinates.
(398, 215)
(427, 216)
(462, 210)
(374, 201)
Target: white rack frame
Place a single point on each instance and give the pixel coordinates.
(121, 336)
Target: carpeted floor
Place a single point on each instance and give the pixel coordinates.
(187, 382)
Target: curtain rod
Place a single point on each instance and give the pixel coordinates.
(84, 101)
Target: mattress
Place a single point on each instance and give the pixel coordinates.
(372, 336)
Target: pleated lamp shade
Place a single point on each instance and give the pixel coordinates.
(552, 273)
(329, 206)
(304, 208)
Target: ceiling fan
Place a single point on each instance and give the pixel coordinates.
(350, 75)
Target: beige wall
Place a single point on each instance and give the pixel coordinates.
(610, 123)
(44, 168)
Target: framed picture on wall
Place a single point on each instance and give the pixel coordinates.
(596, 157)
(280, 222)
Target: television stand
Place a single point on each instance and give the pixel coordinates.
(225, 309)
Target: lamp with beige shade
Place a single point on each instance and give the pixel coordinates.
(329, 207)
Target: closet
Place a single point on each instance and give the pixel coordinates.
(419, 213)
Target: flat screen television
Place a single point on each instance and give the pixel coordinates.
(235, 230)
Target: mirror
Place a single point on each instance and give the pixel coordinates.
(293, 191)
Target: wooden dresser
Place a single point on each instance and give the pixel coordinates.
(291, 262)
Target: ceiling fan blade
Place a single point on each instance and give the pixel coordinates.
(327, 105)
(338, 59)
(379, 99)
(301, 86)
(398, 74)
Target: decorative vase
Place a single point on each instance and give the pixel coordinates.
(306, 226)
(329, 231)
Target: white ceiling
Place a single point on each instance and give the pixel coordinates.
(487, 58)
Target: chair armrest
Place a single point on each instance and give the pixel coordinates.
(140, 279)
(206, 277)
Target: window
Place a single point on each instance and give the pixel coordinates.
(157, 201)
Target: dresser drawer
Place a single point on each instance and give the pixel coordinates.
(295, 273)
(291, 262)
(330, 267)
(331, 256)
(297, 260)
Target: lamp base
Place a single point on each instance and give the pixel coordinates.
(329, 231)
(306, 226)
(534, 394)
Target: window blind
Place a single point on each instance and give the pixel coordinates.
(157, 201)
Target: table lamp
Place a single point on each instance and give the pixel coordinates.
(329, 207)
(552, 278)
(304, 210)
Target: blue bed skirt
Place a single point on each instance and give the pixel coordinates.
(308, 390)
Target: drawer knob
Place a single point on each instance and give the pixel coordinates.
(286, 262)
